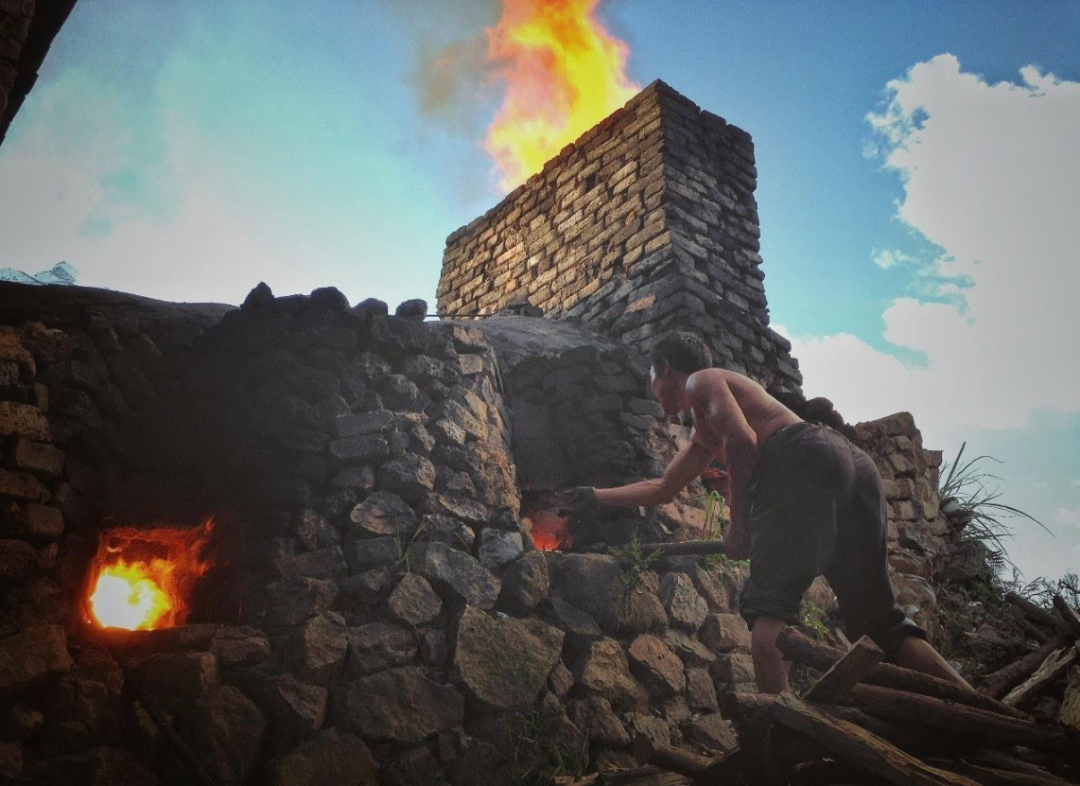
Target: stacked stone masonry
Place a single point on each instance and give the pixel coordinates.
(387, 619)
(645, 224)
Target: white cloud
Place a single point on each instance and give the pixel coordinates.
(1067, 518)
(890, 257)
(1075, 483)
(989, 174)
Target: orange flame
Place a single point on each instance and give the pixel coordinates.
(548, 530)
(143, 577)
(564, 73)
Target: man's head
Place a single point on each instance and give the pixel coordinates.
(674, 358)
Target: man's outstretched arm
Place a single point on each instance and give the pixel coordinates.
(680, 473)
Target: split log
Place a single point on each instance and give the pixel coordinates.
(1068, 613)
(847, 672)
(1051, 669)
(1042, 616)
(1069, 714)
(668, 757)
(802, 649)
(960, 720)
(858, 746)
(1005, 679)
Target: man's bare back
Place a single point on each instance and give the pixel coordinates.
(762, 413)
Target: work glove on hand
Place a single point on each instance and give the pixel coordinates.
(575, 501)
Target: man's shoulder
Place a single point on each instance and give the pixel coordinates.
(709, 379)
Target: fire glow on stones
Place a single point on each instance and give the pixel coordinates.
(142, 578)
(564, 73)
(548, 530)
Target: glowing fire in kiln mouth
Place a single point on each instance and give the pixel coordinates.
(142, 578)
(549, 530)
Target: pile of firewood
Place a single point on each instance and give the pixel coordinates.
(869, 722)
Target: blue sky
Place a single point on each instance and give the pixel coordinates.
(188, 150)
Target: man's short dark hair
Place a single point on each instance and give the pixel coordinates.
(684, 352)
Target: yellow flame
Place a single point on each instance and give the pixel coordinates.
(149, 593)
(130, 596)
(564, 73)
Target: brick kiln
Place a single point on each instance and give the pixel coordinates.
(369, 603)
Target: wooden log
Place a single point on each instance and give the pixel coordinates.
(668, 757)
(1051, 669)
(802, 649)
(1069, 714)
(1068, 613)
(1042, 616)
(847, 672)
(861, 748)
(909, 737)
(1035, 632)
(992, 776)
(1005, 679)
(960, 720)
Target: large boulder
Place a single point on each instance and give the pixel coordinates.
(503, 663)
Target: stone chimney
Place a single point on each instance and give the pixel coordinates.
(646, 224)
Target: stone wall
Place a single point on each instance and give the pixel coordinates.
(646, 223)
(919, 546)
(27, 29)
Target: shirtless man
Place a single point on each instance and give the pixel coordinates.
(805, 502)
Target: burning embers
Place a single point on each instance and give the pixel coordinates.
(549, 530)
(142, 579)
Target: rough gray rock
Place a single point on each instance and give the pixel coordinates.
(362, 554)
(503, 663)
(685, 607)
(599, 722)
(658, 668)
(498, 548)
(455, 571)
(179, 679)
(383, 513)
(602, 670)
(316, 651)
(224, 730)
(331, 758)
(294, 710)
(378, 645)
(725, 633)
(525, 582)
(286, 603)
(399, 705)
(700, 691)
(410, 477)
(588, 582)
(413, 601)
(32, 658)
(710, 732)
